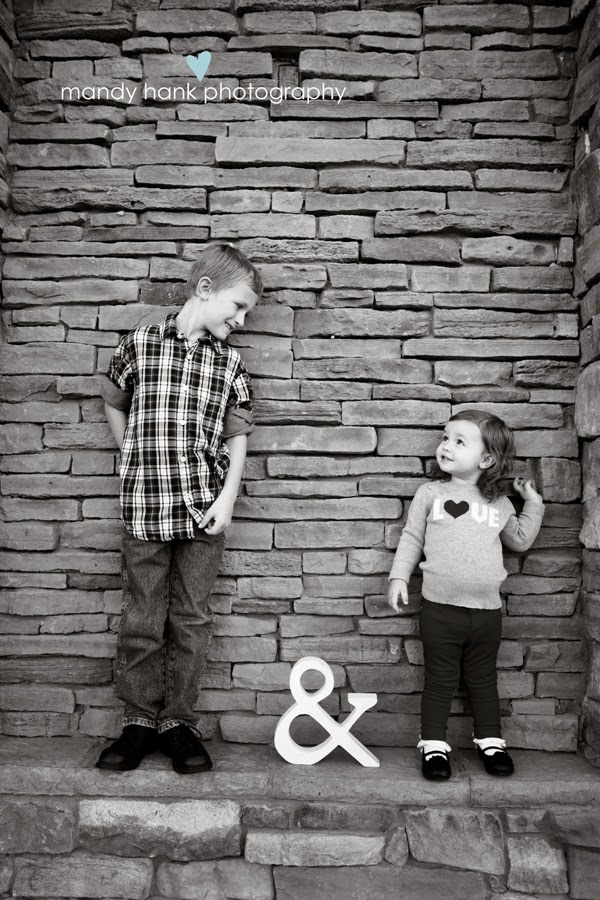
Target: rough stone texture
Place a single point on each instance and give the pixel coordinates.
(216, 880)
(358, 883)
(396, 851)
(37, 826)
(587, 418)
(82, 875)
(584, 874)
(586, 190)
(462, 838)
(198, 829)
(535, 866)
(559, 480)
(580, 827)
(313, 848)
(6, 873)
(585, 108)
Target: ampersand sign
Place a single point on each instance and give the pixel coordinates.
(308, 704)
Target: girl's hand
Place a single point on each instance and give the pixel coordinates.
(527, 490)
(397, 589)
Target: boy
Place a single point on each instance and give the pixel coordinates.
(178, 402)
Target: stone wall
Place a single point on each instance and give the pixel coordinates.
(416, 241)
(586, 184)
(7, 41)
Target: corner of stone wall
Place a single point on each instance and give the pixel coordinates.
(585, 114)
(8, 39)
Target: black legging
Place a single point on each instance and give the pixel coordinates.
(451, 634)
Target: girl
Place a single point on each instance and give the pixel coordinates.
(460, 521)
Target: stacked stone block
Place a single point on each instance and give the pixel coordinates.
(586, 185)
(7, 41)
(416, 241)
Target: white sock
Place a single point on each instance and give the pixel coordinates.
(490, 745)
(438, 748)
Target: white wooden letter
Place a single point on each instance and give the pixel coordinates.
(308, 704)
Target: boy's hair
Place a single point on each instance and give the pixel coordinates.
(498, 442)
(226, 266)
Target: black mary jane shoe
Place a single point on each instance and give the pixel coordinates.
(497, 763)
(127, 752)
(183, 746)
(435, 765)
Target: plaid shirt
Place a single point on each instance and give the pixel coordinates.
(184, 399)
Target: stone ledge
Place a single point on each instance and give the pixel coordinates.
(258, 828)
(66, 767)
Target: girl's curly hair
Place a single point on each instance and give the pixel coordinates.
(498, 442)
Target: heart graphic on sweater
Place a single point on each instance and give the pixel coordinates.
(456, 510)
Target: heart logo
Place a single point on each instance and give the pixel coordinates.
(456, 510)
(199, 64)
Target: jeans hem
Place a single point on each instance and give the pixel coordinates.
(139, 720)
(167, 724)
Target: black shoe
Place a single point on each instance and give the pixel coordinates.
(435, 765)
(126, 753)
(186, 750)
(497, 763)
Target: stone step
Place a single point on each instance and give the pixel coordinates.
(257, 828)
(378, 883)
(65, 767)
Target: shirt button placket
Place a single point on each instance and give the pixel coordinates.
(181, 431)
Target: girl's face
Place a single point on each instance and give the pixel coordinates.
(461, 453)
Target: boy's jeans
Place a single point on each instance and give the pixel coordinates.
(166, 627)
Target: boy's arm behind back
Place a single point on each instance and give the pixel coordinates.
(117, 420)
(237, 425)
(237, 445)
(116, 388)
(238, 415)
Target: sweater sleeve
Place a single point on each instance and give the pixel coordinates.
(520, 531)
(410, 546)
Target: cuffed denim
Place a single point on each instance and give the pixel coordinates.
(166, 627)
(453, 635)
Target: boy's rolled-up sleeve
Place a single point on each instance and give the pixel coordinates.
(238, 414)
(117, 385)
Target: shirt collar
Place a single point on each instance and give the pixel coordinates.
(168, 329)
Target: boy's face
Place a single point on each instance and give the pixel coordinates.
(462, 452)
(222, 311)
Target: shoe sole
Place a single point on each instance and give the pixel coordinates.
(127, 766)
(191, 770)
(119, 767)
(431, 777)
(496, 774)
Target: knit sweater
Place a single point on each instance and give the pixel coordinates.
(461, 534)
